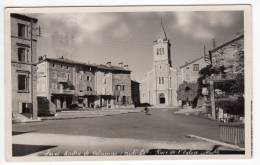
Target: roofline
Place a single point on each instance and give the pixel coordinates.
(191, 62)
(24, 17)
(112, 69)
(67, 62)
(85, 64)
(226, 43)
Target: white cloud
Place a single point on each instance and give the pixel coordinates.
(91, 26)
(200, 25)
(121, 31)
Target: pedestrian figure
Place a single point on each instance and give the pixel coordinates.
(146, 110)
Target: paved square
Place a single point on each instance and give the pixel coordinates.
(119, 132)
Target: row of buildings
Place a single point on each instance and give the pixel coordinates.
(43, 85)
(65, 82)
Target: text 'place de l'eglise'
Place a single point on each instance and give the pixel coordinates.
(43, 86)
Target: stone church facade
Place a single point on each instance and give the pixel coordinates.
(159, 85)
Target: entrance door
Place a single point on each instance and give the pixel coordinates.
(124, 100)
(161, 98)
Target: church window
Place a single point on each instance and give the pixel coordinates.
(160, 51)
(162, 80)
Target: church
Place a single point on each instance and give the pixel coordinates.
(159, 85)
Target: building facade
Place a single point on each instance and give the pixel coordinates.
(113, 85)
(159, 86)
(226, 86)
(121, 85)
(230, 55)
(104, 88)
(189, 72)
(23, 66)
(65, 83)
(85, 85)
(56, 79)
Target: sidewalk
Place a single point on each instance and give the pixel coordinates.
(190, 111)
(88, 114)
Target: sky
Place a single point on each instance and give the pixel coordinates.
(128, 36)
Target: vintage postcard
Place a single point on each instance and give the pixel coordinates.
(128, 83)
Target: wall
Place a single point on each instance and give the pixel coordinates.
(42, 79)
(57, 74)
(122, 79)
(135, 92)
(103, 83)
(26, 67)
(147, 88)
(231, 56)
(189, 74)
(85, 80)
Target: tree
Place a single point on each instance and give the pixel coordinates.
(187, 93)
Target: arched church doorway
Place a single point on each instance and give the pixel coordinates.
(161, 98)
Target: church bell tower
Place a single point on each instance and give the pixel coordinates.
(162, 69)
(162, 49)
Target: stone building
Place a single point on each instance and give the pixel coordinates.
(23, 66)
(85, 85)
(113, 85)
(56, 79)
(121, 84)
(190, 70)
(104, 88)
(230, 55)
(159, 86)
(227, 86)
(65, 82)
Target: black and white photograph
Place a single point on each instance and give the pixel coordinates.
(128, 82)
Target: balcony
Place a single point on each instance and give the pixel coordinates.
(63, 91)
(62, 79)
(86, 93)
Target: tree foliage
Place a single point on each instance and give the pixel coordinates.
(187, 92)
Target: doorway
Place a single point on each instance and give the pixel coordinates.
(161, 98)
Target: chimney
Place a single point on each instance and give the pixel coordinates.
(108, 63)
(40, 58)
(121, 64)
(126, 67)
